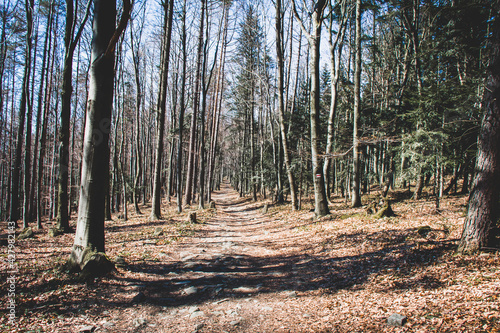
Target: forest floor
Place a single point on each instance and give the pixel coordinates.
(240, 269)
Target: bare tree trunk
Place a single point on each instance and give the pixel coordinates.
(192, 135)
(14, 204)
(320, 199)
(483, 210)
(89, 235)
(281, 107)
(29, 112)
(138, 99)
(356, 180)
(182, 110)
(64, 133)
(160, 122)
(335, 59)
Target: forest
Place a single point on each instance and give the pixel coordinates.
(351, 121)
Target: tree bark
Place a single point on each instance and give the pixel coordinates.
(14, 203)
(160, 122)
(95, 167)
(192, 134)
(356, 180)
(182, 110)
(64, 133)
(281, 107)
(484, 210)
(320, 199)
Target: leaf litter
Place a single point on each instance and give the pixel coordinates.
(241, 270)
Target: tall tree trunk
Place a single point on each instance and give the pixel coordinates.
(64, 133)
(182, 110)
(160, 121)
(138, 100)
(335, 59)
(192, 134)
(44, 70)
(484, 209)
(320, 199)
(29, 113)
(281, 107)
(356, 180)
(89, 235)
(14, 204)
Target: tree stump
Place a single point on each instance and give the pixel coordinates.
(385, 210)
(212, 204)
(192, 217)
(54, 232)
(265, 209)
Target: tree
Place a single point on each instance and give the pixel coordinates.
(196, 105)
(89, 237)
(248, 59)
(160, 119)
(483, 209)
(356, 158)
(281, 106)
(314, 38)
(182, 108)
(336, 47)
(14, 203)
(70, 42)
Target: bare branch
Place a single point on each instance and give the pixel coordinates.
(127, 9)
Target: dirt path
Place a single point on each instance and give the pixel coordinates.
(233, 275)
(240, 270)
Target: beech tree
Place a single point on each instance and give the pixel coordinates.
(281, 106)
(70, 42)
(89, 237)
(314, 39)
(160, 118)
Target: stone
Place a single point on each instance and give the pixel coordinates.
(108, 324)
(96, 264)
(26, 233)
(139, 321)
(190, 291)
(198, 327)
(246, 290)
(292, 294)
(197, 314)
(87, 329)
(193, 309)
(396, 319)
(190, 264)
(158, 231)
(385, 210)
(235, 322)
(424, 230)
(139, 297)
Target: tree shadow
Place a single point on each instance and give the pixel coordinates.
(391, 253)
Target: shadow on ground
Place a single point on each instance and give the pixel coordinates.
(389, 252)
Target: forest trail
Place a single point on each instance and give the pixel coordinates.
(242, 270)
(238, 273)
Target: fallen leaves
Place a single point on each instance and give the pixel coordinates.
(281, 271)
